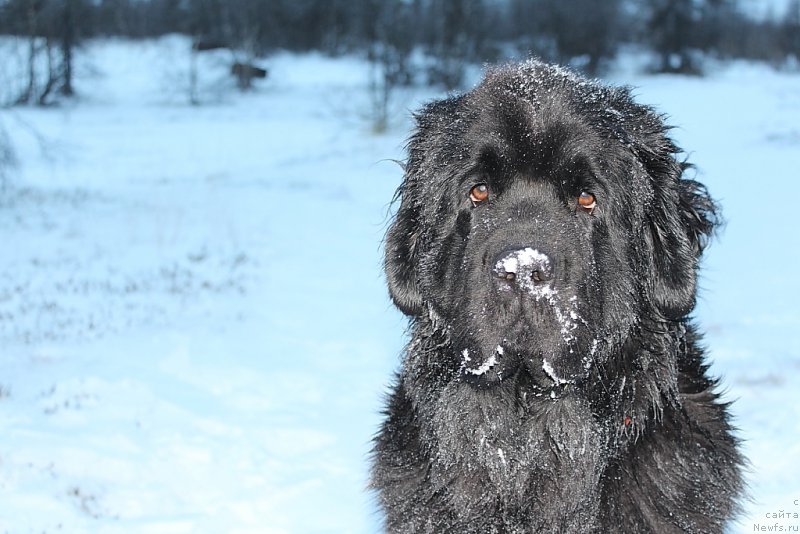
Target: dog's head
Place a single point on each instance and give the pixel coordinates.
(541, 217)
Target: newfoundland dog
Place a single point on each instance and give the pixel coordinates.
(546, 248)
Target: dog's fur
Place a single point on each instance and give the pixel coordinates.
(582, 405)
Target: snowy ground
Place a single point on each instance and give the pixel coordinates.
(195, 332)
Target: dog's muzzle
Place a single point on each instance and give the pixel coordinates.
(523, 269)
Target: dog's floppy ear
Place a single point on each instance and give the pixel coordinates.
(681, 220)
(402, 257)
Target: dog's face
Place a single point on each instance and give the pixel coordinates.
(542, 217)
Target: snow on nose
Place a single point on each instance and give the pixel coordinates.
(527, 269)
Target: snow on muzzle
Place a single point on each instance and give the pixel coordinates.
(530, 272)
(524, 269)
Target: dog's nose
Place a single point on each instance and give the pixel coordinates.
(525, 267)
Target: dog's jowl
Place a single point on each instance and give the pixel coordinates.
(545, 248)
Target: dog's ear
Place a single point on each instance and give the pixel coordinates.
(681, 219)
(401, 255)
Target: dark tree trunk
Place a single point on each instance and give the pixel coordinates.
(67, 44)
(27, 95)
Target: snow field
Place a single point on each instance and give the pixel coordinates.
(196, 335)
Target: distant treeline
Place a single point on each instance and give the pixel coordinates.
(583, 33)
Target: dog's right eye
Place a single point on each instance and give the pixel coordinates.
(587, 202)
(479, 193)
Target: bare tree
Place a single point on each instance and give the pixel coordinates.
(584, 32)
(671, 25)
(389, 32)
(53, 29)
(790, 31)
(68, 38)
(456, 36)
(31, 10)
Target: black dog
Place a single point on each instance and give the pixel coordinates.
(546, 249)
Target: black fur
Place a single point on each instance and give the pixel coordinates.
(599, 415)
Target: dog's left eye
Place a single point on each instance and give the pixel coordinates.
(479, 193)
(587, 202)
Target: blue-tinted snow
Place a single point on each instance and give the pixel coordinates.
(196, 335)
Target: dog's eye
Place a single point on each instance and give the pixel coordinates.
(587, 202)
(479, 193)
